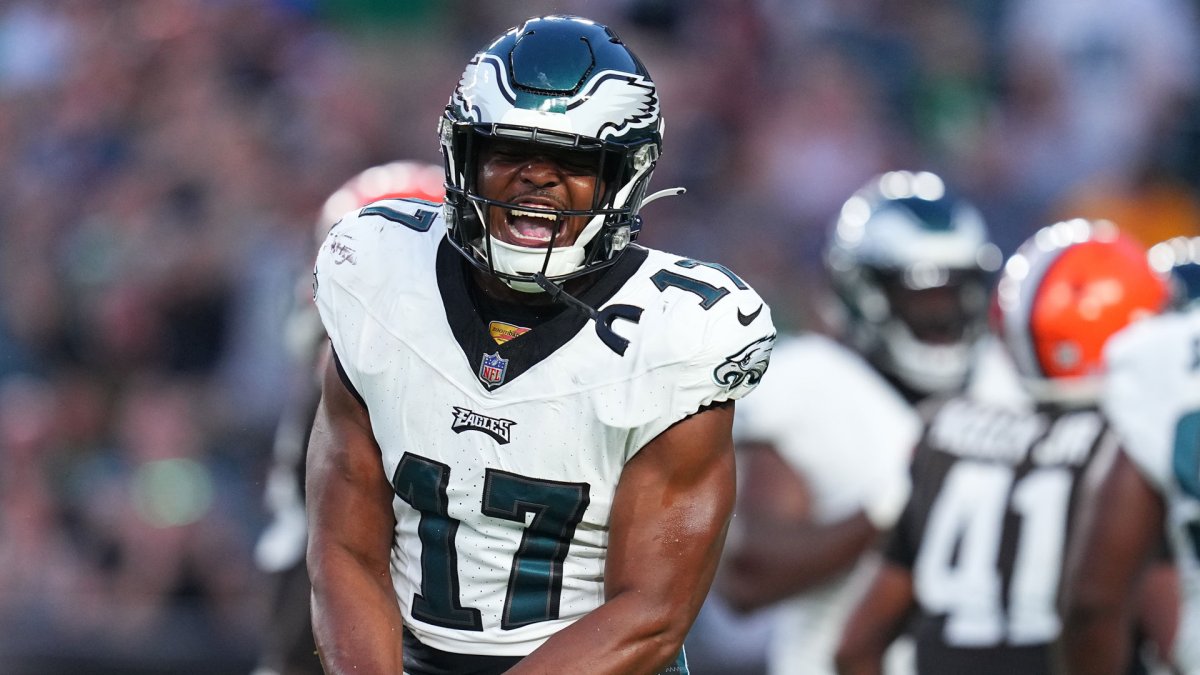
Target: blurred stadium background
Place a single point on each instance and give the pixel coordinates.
(162, 163)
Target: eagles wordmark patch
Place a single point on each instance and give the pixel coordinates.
(498, 428)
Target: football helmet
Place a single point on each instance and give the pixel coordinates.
(911, 266)
(562, 82)
(1063, 294)
(1179, 257)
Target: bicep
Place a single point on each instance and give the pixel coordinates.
(1118, 528)
(1115, 535)
(348, 494)
(671, 509)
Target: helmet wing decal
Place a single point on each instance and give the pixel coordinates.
(484, 90)
(609, 106)
(613, 103)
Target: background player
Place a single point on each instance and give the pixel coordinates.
(824, 450)
(288, 647)
(978, 551)
(522, 460)
(1151, 397)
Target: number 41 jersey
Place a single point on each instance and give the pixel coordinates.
(504, 458)
(985, 530)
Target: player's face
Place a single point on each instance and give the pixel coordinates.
(539, 177)
(937, 315)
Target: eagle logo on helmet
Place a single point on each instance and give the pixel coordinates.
(484, 95)
(558, 82)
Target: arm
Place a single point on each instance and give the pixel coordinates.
(1158, 606)
(1117, 531)
(668, 523)
(776, 550)
(876, 621)
(356, 620)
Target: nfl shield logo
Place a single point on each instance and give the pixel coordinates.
(491, 371)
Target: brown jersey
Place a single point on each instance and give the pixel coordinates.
(985, 531)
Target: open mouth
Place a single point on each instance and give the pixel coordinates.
(532, 228)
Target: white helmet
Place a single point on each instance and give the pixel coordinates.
(563, 82)
(911, 265)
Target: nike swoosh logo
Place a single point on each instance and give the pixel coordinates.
(747, 319)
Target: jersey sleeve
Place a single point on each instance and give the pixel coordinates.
(1152, 382)
(355, 269)
(724, 354)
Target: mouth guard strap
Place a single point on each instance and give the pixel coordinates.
(558, 294)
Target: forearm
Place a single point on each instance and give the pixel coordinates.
(625, 635)
(865, 639)
(356, 621)
(876, 621)
(667, 528)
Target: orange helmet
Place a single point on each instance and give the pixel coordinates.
(400, 179)
(1065, 291)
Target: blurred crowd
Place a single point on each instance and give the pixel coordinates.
(162, 163)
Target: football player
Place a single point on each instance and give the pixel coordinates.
(977, 554)
(1180, 256)
(824, 450)
(522, 460)
(1152, 396)
(288, 647)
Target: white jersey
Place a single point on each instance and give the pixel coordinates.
(847, 431)
(505, 458)
(1152, 399)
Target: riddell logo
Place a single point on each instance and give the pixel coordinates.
(469, 420)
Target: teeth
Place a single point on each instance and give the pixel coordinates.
(517, 213)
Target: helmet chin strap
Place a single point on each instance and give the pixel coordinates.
(559, 294)
(601, 319)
